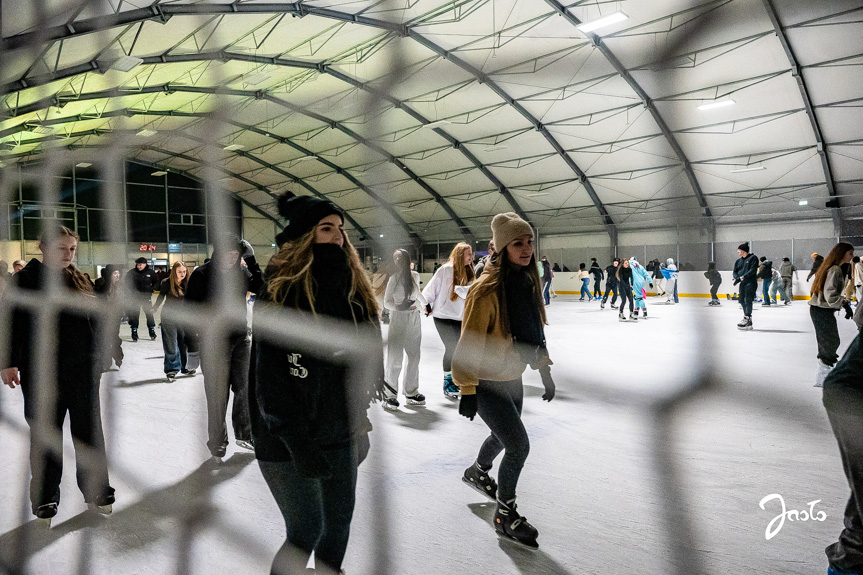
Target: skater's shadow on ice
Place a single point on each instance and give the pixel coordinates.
(534, 391)
(421, 419)
(123, 383)
(778, 331)
(160, 515)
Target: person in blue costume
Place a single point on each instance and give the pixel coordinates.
(640, 278)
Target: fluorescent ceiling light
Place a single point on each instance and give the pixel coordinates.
(437, 124)
(603, 21)
(803, 203)
(255, 79)
(233, 147)
(303, 158)
(159, 173)
(83, 165)
(717, 104)
(145, 133)
(407, 209)
(381, 235)
(495, 148)
(749, 169)
(537, 194)
(126, 63)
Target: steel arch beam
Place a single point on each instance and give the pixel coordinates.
(162, 12)
(54, 100)
(651, 107)
(810, 113)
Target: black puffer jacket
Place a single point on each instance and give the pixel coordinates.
(76, 335)
(299, 400)
(201, 287)
(142, 281)
(610, 271)
(745, 269)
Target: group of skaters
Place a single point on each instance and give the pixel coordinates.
(304, 414)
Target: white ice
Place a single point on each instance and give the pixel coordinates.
(590, 483)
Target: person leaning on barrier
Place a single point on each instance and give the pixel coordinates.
(225, 362)
(308, 411)
(74, 387)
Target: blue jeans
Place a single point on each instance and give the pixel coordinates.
(317, 512)
(584, 289)
(174, 345)
(546, 292)
(765, 291)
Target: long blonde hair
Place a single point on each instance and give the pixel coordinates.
(178, 287)
(291, 270)
(73, 278)
(462, 275)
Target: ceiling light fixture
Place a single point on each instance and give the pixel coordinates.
(159, 173)
(717, 104)
(538, 194)
(437, 124)
(304, 158)
(803, 203)
(255, 79)
(748, 169)
(603, 21)
(233, 147)
(83, 165)
(146, 133)
(126, 63)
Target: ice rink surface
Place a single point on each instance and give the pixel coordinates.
(590, 484)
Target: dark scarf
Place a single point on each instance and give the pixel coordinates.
(332, 276)
(525, 321)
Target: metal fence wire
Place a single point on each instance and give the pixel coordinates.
(216, 116)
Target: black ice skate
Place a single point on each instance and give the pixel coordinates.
(152, 333)
(645, 314)
(621, 317)
(418, 399)
(480, 480)
(134, 334)
(45, 513)
(103, 505)
(633, 317)
(746, 324)
(391, 404)
(510, 525)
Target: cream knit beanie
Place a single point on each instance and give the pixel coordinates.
(506, 227)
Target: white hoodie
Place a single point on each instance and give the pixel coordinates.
(437, 294)
(669, 265)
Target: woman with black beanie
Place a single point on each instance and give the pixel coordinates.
(308, 411)
(74, 387)
(502, 334)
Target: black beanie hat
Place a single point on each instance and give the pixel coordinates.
(141, 260)
(744, 246)
(302, 214)
(763, 259)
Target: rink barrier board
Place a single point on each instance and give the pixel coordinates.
(702, 295)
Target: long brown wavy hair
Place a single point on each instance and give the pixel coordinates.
(72, 277)
(834, 258)
(178, 287)
(492, 282)
(462, 275)
(290, 270)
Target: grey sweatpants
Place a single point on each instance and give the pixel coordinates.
(404, 339)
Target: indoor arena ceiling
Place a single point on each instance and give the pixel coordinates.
(426, 117)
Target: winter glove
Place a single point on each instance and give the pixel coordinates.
(310, 462)
(547, 382)
(651, 286)
(467, 406)
(246, 249)
(849, 313)
(428, 310)
(737, 281)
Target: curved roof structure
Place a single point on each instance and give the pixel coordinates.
(423, 119)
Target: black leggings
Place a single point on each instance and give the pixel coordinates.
(449, 331)
(499, 406)
(609, 288)
(626, 295)
(714, 288)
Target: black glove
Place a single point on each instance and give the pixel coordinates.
(310, 462)
(651, 286)
(467, 406)
(737, 281)
(849, 313)
(547, 382)
(246, 249)
(428, 310)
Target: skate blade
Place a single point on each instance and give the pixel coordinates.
(453, 396)
(520, 544)
(101, 509)
(391, 407)
(44, 523)
(477, 488)
(415, 402)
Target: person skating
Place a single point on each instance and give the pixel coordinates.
(658, 278)
(404, 300)
(309, 411)
(623, 275)
(670, 274)
(715, 279)
(74, 387)
(502, 334)
(172, 291)
(787, 270)
(745, 272)
(142, 281)
(109, 288)
(598, 276)
(765, 274)
(640, 279)
(611, 283)
(826, 300)
(224, 362)
(777, 287)
(480, 266)
(584, 278)
(817, 260)
(547, 276)
(445, 295)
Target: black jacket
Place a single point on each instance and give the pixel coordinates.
(745, 269)
(610, 270)
(546, 271)
(713, 276)
(596, 272)
(142, 281)
(765, 271)
(625, 276)
(76, 332)
(200, 288)
(300, 400)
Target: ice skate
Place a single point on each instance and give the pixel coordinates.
(450, 389)
(480, 480)
(645, 314)
(745, 324)
(613, 306)
(45, 513)
(418, 399)
(171, 376)
(633, 317)
(621, 317)
(391, 404)
(246, 444)
(102, 505)
(152, 334)
(134, 335)
(510, 525)
(602, 305)
(821, 374)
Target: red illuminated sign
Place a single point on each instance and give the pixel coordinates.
(146, 248)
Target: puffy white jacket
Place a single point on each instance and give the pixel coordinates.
(437, 294)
